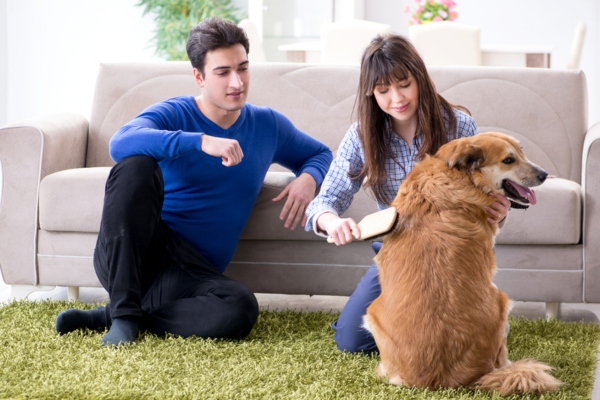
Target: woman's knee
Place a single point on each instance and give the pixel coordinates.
(354, 340)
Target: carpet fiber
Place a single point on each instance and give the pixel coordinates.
(288, 355)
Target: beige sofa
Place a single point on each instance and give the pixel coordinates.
(54, 168)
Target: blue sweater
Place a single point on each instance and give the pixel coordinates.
(205, 202)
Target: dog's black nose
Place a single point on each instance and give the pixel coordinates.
(542, 175)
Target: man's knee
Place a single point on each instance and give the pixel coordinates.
(245, 314)
(134, 181)
(139, 162)
(135, 172)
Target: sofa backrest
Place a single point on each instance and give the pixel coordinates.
(123, 90)
(545, 109)
(318, 99)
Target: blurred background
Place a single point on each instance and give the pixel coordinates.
(50, 50)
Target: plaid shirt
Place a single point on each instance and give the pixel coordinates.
(338, 190)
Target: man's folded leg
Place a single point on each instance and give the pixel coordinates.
(188, 304)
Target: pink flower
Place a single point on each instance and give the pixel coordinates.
(449, 3)
(431, 10)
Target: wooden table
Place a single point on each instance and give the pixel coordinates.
(497, 55)
(516, 56)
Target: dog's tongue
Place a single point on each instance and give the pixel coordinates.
(524, 192)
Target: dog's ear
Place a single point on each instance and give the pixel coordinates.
(465, 157)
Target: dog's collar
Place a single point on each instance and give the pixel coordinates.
(514, 204)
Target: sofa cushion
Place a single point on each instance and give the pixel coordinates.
(541, 224)
(72, 200)
(264, 222)
(555, 219)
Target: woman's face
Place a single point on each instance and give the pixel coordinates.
(400, 99)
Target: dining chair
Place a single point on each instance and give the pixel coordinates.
(343, 42)
(257, 52)
(447, 43)
(577, 46)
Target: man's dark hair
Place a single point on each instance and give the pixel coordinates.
(211, 34)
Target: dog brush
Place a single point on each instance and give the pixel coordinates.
(376, 224)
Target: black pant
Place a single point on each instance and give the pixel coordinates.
(152, 273)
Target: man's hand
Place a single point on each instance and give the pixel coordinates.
(228, 149)
(299, 194)
(499, 209)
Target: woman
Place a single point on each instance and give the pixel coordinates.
(401, 118)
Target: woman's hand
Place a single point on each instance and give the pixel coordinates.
(498, 209)
(340, 230)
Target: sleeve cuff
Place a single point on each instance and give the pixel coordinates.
(314, 222)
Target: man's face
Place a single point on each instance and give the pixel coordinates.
(226, 78)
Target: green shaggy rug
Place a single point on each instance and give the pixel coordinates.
(289, 355)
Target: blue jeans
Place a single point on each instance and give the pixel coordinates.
(349, 334)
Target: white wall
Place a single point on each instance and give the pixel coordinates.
(522, 23)
(3, 65)
(55, 47)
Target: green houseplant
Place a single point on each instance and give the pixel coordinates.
(175, 18)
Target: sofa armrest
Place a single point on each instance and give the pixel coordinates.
(30, 150)
(590, 183)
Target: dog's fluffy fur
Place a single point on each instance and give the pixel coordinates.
(440, 321)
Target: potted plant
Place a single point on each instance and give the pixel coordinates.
(427, 11)
(175, 18)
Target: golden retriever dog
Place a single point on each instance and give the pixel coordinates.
(440, 321)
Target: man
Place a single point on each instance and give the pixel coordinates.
(188, 172)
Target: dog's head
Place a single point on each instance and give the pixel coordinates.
(496, 164)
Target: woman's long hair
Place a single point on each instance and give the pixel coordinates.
(387, 60)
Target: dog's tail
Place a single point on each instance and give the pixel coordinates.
(524, 376)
